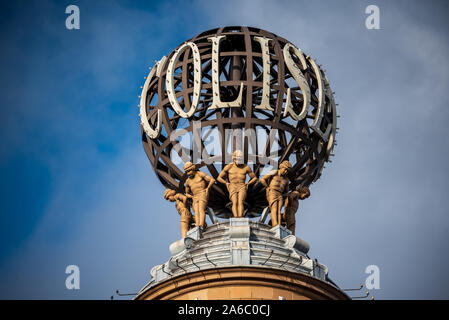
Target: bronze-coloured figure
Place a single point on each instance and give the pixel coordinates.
(183, 209)
(291, 206)
(197, 188)
(276, 184)
(162, 111)
(234, 177)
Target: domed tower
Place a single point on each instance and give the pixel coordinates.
(237, 124)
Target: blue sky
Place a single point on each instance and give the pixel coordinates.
(76, 186)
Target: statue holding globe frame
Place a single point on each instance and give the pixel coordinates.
(235, 173)
(239, 78)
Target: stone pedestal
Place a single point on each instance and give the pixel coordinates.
(239, 243)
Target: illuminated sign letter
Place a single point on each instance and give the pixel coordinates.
(152, 133)
(196, 76)
(299, 77)
(265, 103)
(216, 102)
(319, 113)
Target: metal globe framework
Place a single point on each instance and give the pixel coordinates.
(238, 78)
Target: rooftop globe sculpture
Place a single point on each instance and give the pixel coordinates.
(237, 88)
(237, 123)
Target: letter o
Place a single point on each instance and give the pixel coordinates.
(170, 81)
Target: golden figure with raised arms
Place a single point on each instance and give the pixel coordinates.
(234, 177)
(291, 206)
(183, 209)
(197, 188)
(276, 184)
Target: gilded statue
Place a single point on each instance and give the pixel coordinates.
(183, 209)
(234, 177)
(276, 183)
(197, 188)
(291, 206)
